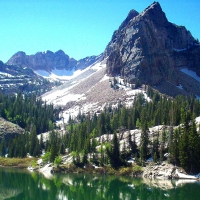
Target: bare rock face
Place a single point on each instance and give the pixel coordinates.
(148, 48)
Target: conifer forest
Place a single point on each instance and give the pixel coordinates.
(180, 140)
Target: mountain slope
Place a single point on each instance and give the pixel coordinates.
(148, 49)
(90, 92)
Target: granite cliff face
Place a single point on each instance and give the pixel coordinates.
(49, 61)
(149, 49)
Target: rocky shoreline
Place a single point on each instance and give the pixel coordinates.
(167, 171)
(151, 171)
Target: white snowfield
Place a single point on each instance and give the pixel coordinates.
(59, 75)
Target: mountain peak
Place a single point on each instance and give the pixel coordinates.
(133, 13)
(20, 53)
(19, 57)
(60, 52)
(150, 50)
(155, 13)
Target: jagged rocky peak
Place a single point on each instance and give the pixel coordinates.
(131, 15)
(148, 48)
(60, 52)
(18, 58)
(155, 13)
(47, 60)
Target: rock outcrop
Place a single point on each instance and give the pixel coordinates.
(149, 49)
(166, 171)
(9, 130)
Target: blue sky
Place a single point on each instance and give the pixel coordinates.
(79, 27)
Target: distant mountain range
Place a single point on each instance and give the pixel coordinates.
(40, 72)
(48, 62)
(146, 49)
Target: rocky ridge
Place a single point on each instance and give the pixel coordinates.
(49, 61)
(149, 49)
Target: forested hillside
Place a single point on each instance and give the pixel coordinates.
(27, 111)
(181, 140)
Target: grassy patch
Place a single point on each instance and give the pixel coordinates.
(124, 171)
(16, 162)
(137, 170)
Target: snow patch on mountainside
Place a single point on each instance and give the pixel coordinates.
(68, 91)
(42, 73)
(5, 74)
(58, 74)
(191, 73)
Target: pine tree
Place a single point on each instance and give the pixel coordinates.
(132, 144)
(33, 142)
(162, 145)
(114, 153)
(144, 140)
(155, 151)
(3, 147)
(174, 150)
(194, 148)
(62, 149)
(184, 141)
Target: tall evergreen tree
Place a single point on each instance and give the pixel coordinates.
(114, 153)
(3, 147)
(144, 140)
(132, 144)
(174, 150)
(194, 148)
(184, 141)
(33, 142)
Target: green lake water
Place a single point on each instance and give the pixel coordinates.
(23, 185)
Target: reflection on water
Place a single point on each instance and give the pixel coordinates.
(20, 184)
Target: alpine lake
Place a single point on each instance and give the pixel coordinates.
(24, 185)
